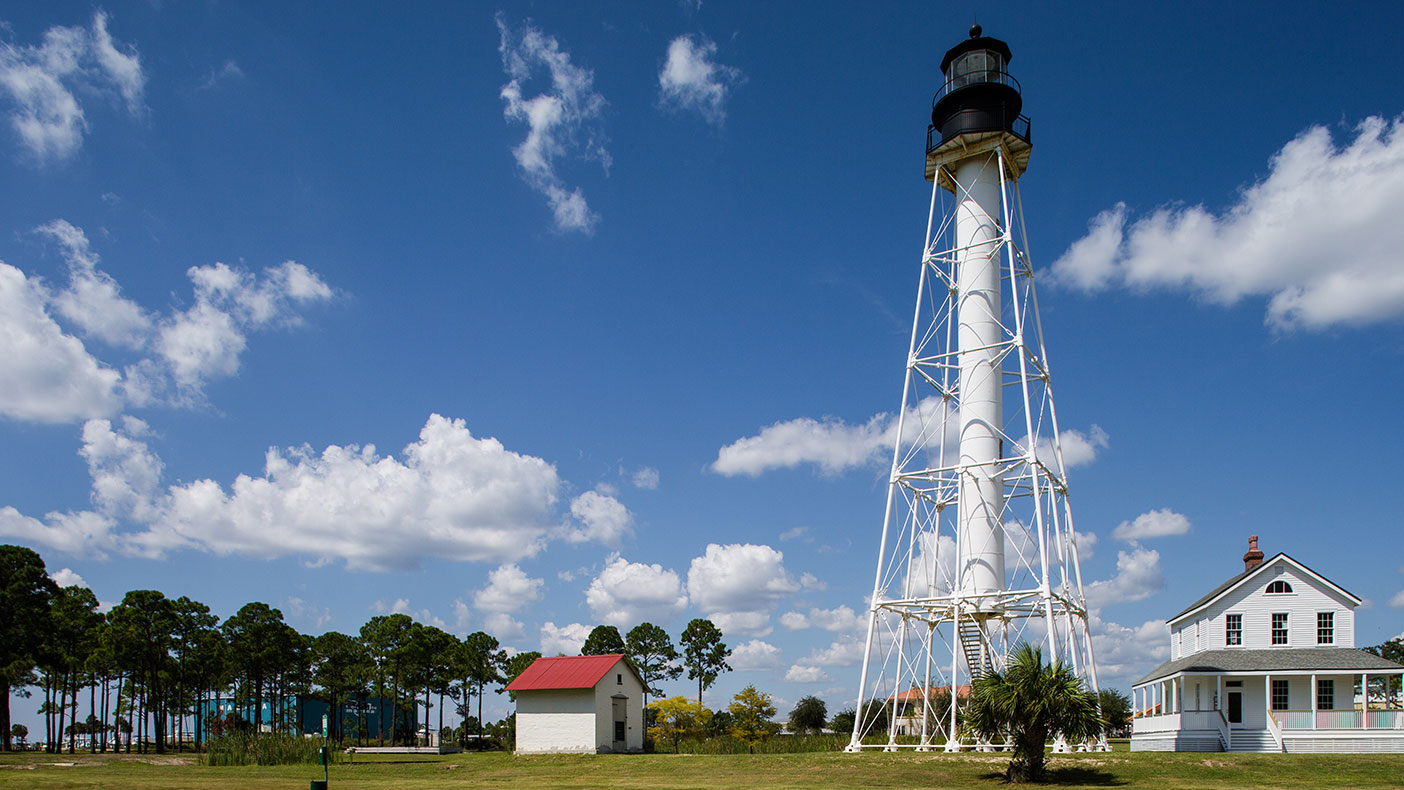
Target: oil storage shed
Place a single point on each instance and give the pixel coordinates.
(579, 704)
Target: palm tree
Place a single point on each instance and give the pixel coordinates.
(1029, 703)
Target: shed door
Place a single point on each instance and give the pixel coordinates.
(621, 724)
(1235, 711)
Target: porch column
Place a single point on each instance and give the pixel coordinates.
(1219, 693)
(1365, 706)
(1267, 698)
(1313, 700)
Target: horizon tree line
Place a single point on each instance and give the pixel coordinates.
(152, 669)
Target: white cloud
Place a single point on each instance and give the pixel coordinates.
(566, 639)
(755, 655)
(1152, 524)
(646, 477)
(93, 299)
(841, 619)
(509, 589)
(742, 623)
(80, 534)
(846, 651)
(796, 533)
(605, 519)
(1398, 600)
(1086, 544)
(803, 674)
(811, 583)
(402, 606)
(1319, 237)
(43, 84)
(691, 80)
(739, 577)
(1137, 577)
(126, 474)
(831, 444)
(503, 626)
(227, 72)
(1079, 449)
(49, 376)
(307, 611)
(65, 577)
(453, 496)
(561, 120)
(627, 593)
(1126, 653)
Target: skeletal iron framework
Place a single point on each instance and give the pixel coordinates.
(927, 627)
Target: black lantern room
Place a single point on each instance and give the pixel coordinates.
(978, 95)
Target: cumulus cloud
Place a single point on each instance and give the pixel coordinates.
(804, 674)
(1319, 237)
(755, 655)
(841, 619)
(49, 375)
(626, 593)
(451, 495)
(1152, 524)
(1398, 600)
(1079, 449)
(93, 300)
(509, 589)
(1138, 576)
(126, 474)
(43, 84)
(563, 119)
(307, 611)
(754, 623)
(604, 519)
(739, 577)
(66, 577)
(1126, 653)
(563, 640)
(83, 533)
(691, 80)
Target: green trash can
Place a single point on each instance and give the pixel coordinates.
(319, 784)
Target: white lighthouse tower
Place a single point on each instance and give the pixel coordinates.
(978, 550)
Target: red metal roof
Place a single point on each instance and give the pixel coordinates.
(565, 672)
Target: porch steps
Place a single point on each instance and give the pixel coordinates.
(1254, 741)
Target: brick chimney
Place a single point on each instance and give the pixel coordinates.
(1253, 558)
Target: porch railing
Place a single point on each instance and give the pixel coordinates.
(1341, 719)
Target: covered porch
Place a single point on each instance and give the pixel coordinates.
(1198, 707)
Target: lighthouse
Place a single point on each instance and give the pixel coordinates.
(977, 550)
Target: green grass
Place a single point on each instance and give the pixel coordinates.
(798, 771)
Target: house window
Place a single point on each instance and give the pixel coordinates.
(1325, 694)
(1279, 695)
(1233, 629)
(1279, 586)
(618, 680)
(1325, 628)
(1279, 628)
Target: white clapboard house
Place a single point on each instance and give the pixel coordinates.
(579, 704)
(1266, 662)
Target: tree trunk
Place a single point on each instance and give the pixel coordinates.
(5, 744)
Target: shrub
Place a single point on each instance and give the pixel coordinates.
(247, 748)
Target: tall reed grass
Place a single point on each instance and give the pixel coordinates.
(246, 748)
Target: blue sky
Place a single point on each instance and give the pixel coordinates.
(527, 317)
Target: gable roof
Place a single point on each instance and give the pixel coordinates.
(1325, 659)
(1243, 578)
(567, 672)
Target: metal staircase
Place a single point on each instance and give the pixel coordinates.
(975, 647)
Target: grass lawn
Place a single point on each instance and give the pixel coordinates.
(808, 771)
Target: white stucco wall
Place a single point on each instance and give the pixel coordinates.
(556, 721)
(619, 680)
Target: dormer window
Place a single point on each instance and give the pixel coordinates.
(1279, 586)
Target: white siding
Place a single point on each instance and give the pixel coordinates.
(1257, 607)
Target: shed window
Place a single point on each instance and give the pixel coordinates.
(1233, 629)
(1279, 628)
(1279, 586)
(619, 680)
(1279, 695)
(1325, 694)
(1325, 628)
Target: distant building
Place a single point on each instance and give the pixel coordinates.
(1266, 662)
(303, 716)
(579, 704)
(908, 707)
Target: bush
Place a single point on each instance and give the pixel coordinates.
(247, 748)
